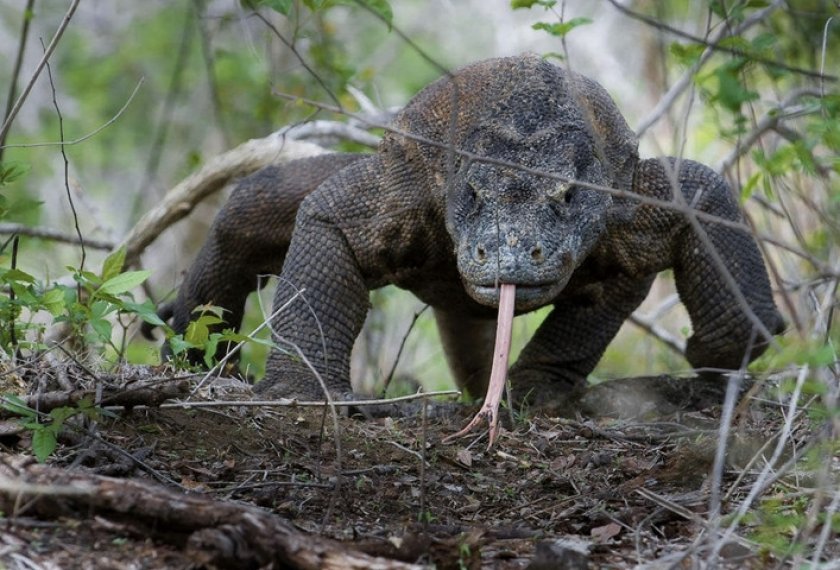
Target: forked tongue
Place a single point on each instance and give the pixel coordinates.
(498, 374)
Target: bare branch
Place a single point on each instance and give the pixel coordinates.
(180, 201)
(24, 34)
(7, 124)
(324, 133)
(91, 134)
(52, 235)
(685, 81)
(770, 121)
(650, 326)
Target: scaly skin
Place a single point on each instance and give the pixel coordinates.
(449, 226)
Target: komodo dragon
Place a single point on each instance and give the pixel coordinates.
(494, 174)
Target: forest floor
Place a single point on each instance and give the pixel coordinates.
(616, 493)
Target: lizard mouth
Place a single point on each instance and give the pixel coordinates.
(528, 297)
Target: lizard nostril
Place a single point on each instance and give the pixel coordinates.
(480, 254)
(537, 254)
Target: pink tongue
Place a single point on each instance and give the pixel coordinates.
(496, 388)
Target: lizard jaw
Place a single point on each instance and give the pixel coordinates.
(527, 298)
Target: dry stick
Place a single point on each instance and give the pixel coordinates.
(92, 133)
(299, 57)
(209, 67)
(400, 350)
(726, 420)
(161, 131)
(67, 176)
(762, 480)
(498, 374)
(4, 130)
(686, 80)
(12, 339)
(24, 34)
(266, 323)
(52, 235)
(294, 403)
(180, 200)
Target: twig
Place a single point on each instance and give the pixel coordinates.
(67, 176)
(266, 323)
(92, 133)
(390, 375)
(687, 79)
(650, 326)
(325, 129)
(293, 403)
(24, 34)
(412, 452)
(299, 57)
(770, 121)
(162, 127)
(763, 479)
(12, 336)
(41, 232)
(715, 44)
(47, 53)
(180, 200)
(209, 69)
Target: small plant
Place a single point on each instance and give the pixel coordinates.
(46, 427)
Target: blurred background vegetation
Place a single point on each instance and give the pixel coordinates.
(179, 82)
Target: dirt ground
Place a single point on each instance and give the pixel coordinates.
(627, 492)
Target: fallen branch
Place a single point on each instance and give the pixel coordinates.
(214, 533)
(53, 235)
(151, 392)
(215, 175)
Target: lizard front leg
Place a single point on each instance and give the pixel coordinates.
(354, 233)
(249, 237)
(718, 269)
(319, 308)
(552, 369)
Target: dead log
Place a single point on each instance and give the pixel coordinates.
(218, 534)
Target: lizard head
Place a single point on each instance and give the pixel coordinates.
(526, 214)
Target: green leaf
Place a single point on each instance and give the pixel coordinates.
(124, 282)
(43, 443)
(53, 301)
(113, 264)
(16, 405)
(144, 310)
(517, 4)
(198, 331)
(102, 327)
(11, 171)
(60, 415)
(179, 345)
(210, 348)
(282, 6)
(562, 28)
(686, 54)
(16, 276)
